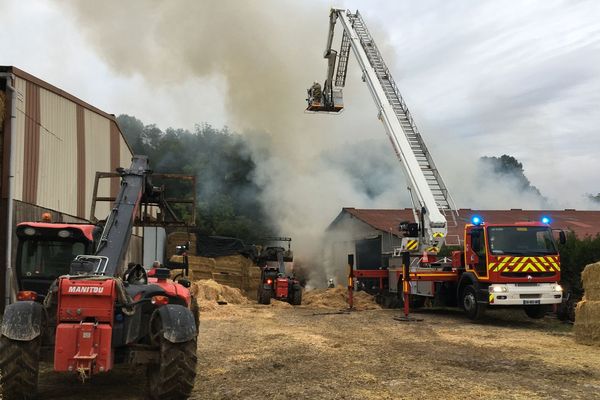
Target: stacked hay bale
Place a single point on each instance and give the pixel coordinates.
(587, 313)
(234, 271)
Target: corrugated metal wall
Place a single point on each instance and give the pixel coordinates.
(60, 147)
(20, 85)
(57, 172)
(97, 158)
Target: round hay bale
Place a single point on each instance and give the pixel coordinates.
(591, 281)
(587, 322)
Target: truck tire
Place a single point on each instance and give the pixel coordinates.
(174, 377)
(535, 312)
(264, 296)
(19, 368)
(469, 303)
(417, 301)
(296, 298)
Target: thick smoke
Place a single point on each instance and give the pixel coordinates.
(268, 53)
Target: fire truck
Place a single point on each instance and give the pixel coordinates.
(81, 307)
(515, 264)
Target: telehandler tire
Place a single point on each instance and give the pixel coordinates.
(264, 297)
(173, 378)
(19, 368)
(296, 298)
(195, 309)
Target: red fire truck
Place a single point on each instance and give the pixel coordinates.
(513, 264)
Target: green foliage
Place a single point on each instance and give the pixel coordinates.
(595, 198)
(227, 197)
(446, 251)
(509, 166)
(575, 254)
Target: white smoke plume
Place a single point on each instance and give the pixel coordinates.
(268, 53)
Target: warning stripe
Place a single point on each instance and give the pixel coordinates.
(438, 235)
(525, 264)
(412, 244)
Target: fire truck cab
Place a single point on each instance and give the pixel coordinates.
(513, 265)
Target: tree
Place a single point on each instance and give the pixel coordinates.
(227, 196)
(575, 254)
(595, 199)
(509, 166)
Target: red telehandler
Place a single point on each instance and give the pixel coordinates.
(88, 312)
(274, 283)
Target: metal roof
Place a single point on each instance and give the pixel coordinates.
(582, 223)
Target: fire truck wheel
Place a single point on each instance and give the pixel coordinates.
(296, 299)
(473, 309)
(264, 296)
(173, 378)
(19, 367)
(535, 312)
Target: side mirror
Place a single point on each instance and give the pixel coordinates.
(562, 237)
(184, 282)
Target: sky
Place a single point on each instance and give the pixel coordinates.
(481, 78)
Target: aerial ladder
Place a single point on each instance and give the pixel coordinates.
(499, 264)
(433, 207)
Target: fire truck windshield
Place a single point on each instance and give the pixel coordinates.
(46, 258)
(528, 240)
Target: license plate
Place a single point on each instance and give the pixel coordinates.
(529, 302)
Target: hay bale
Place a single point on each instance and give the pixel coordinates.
(2, 109)
(211, 291)
(337, 298)
(591, 281)
(233, 264)
(587, 322)
(231, 280)
(254, 272)
(203, 264)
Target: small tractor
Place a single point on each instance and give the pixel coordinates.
(274, 283)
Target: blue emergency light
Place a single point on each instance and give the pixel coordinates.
(546, 220)
(476, 220)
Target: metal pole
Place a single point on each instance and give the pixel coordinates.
(406, 281)
(11, 179)
(351, 281)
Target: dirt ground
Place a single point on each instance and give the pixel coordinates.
(284, 352)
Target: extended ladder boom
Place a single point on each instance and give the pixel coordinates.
(431, 200)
